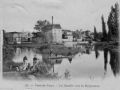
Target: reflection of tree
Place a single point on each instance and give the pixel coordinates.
(114, 62)
(70, 59)
(96, 51)
(105, 59)
(87, 51)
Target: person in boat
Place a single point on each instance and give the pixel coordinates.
(25, 64)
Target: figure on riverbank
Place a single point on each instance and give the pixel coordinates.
(35, 60)
(67, 74)
(25, 64)
(39, 67)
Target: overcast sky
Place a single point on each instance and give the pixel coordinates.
(19, 15)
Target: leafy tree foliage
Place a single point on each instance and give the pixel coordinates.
(95, 34)
(113, 23)
(104, 30)
(40, 24)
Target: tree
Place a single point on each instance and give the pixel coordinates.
(64, 35)
(40, 24)
(113, 23)
(76, 34)
(104, 30)
(95, 34)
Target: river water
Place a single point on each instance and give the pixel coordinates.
(90, 62)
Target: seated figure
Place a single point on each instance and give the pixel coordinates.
(25, 65)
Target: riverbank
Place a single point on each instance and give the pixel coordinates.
(108, 45)
(60, 50)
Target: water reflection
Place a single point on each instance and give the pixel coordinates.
(114, 61)
(70, 60)
(82, 64)
(29, 52)
(96, 51)
(105, 59)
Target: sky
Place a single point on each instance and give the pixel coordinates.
(21, 15)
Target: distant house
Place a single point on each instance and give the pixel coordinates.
(26, 37)
(13, 37)
(38, 37)
(53, 33)
(8, 38)
(86, 35)
(18, 37)
(79, 36)
(67, 36)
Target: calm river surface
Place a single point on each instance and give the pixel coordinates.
(88, 63)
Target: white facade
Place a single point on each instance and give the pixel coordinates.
(69, 36)
(17, 38)
(69, 39)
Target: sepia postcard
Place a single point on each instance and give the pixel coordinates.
(59, 44)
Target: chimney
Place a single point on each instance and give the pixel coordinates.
(52, 20)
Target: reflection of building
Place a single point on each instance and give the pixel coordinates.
(53, 33)
(56, 61)
(67, 36)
